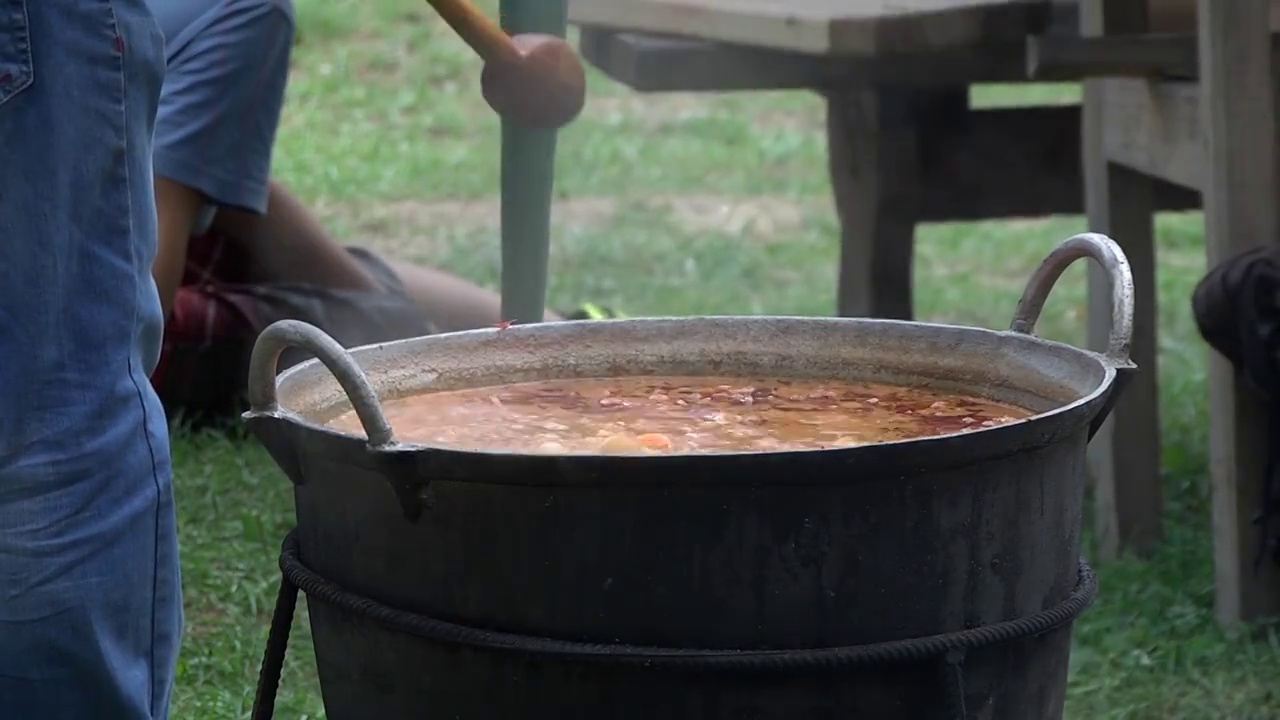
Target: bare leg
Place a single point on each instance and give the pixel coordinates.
(451, 302)
(288, 244)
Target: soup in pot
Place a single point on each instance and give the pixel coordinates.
(653, 414)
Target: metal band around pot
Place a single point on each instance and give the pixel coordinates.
(1107, 253)
(284, 334)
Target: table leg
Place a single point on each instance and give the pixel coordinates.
(1125, 454)
(874, 143)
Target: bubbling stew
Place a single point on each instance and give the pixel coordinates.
(637, 415)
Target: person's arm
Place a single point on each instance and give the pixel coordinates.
(177, 207)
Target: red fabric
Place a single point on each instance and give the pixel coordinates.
(203, 317)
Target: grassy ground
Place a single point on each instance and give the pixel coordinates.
(725, 200)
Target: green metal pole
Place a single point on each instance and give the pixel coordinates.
(528, 175)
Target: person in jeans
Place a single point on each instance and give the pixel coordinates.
(90, 600)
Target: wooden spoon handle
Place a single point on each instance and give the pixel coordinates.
(475, 28)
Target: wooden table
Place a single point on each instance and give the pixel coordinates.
(1216, 136)
(906, 148)
(823, 27)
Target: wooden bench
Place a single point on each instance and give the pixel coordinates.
(906, 147)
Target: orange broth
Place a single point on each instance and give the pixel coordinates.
(654, 414)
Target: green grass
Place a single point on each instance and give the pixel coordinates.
(726, 201)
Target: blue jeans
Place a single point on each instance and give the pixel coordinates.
(90, 603)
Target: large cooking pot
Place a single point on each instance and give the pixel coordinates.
(927, 578)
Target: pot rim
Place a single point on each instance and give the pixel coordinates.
(1103, 386)
(963, 446)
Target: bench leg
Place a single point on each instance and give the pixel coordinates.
(874, 146)
(1125, 454)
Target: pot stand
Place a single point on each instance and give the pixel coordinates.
(947, 651)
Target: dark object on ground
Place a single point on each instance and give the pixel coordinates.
(1237, 308)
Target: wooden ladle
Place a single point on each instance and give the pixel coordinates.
(532, 79)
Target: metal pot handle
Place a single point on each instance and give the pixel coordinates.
(284, 334)
(1107, 253)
